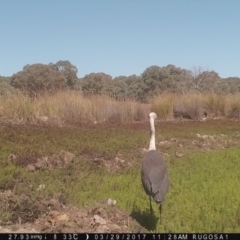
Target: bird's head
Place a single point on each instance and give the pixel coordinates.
(153, 115)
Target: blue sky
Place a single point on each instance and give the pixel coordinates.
(121, 37)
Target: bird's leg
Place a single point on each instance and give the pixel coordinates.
(151, 209)
(160, 211)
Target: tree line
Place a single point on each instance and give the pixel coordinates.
(39, 78)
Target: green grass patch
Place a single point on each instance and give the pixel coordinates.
(204, 192)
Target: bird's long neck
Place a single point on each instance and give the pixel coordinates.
(152, 144)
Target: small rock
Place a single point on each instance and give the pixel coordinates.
(30, 168)
(62, 217)
(145, 150)
(179, 155)
(109, 201)
(66, 156)
(119, 160)
(43, 118)
(98, 220)
(11, 158)
(8, 193)
(163, 142)
(41, 186)
(41, 163)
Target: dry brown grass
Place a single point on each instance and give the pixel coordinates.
(215, 104)
(232, 106)
(188, 106)
(196, 106)
(163, 106)
(71, 107)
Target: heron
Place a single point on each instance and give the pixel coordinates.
(154, 173)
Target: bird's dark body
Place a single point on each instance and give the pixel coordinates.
(154, 176)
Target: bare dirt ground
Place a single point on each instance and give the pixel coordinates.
(52, 216)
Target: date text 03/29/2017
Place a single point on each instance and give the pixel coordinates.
(110, 236)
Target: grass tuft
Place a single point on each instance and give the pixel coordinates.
(163, 106)
(71, 108)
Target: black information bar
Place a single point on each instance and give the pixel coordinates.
(120, 236)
